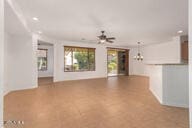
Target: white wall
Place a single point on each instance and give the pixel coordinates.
(1, 57)
(135, 67)
(6, 67)
(164, 53)
(169, 84)
(190, 60)
(19, 63)
(50, 59)
(20, 53)
(60, 75)
(156, 81)
(101, 62)
(34, 60)
(176, 85)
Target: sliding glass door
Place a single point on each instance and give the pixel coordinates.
(121, 62)
(117, 62)
(112, 64)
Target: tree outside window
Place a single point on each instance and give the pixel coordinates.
(79, 59)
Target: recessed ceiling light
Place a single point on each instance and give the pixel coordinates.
(35, 19)
(40, 32)
(180, 31)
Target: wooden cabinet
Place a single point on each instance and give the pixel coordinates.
(184, 51)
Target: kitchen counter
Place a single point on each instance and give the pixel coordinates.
(169, 83)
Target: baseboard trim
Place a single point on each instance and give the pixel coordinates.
(6, 92)
(156, 96)
(79, 79)
(45, 76)
(19, 89)
(139, 75)
(172, 104)
(176, 105)
(104, 77)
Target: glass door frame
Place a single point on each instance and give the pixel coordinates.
(126, 60)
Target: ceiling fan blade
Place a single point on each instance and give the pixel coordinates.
(111, 38)
(109, 41)
(103, 38)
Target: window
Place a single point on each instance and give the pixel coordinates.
(42, 59)
(79, 59)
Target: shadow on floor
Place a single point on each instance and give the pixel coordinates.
(45, 81)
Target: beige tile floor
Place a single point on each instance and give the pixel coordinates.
(116, 102)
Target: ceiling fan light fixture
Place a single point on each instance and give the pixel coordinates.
(40, 32)
(180, 31)
(102, 41)
(35, 19)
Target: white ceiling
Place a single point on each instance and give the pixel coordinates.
(130, 21)
(13, 25)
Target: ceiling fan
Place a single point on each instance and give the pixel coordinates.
(103, 38)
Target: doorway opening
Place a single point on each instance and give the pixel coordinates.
(117, 61)
(45, 63)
